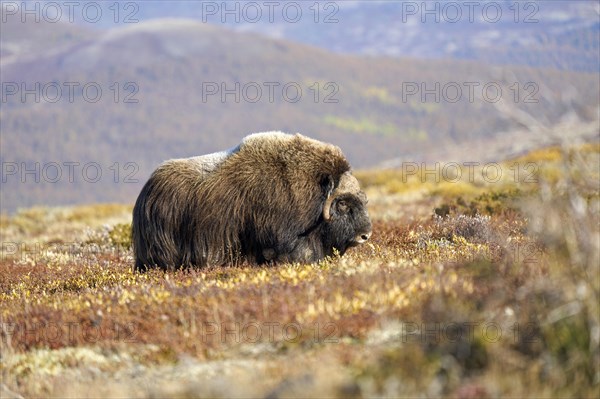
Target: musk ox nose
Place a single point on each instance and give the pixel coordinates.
(363, 237)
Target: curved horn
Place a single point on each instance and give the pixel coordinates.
(347, 184)
(327, 207)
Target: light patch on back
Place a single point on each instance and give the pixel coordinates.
(274, 135)
(206, 164)
(209, 162)
(280, 137)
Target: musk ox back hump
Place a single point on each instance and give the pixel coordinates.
(231, 206)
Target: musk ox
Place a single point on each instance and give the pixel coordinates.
(275, 197)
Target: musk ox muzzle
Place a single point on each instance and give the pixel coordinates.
(274, 198)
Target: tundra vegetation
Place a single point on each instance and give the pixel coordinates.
(468, 289)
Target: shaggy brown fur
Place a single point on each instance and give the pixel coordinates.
(261, 197)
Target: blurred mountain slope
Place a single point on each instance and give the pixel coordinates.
(154, 78)
(557, 33)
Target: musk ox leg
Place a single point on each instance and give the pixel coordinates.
(306, 250)
(302, 256)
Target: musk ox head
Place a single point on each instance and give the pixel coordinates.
(343, 223)
(275, 197)
(345, 216)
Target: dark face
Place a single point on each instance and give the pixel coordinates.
(349, 224)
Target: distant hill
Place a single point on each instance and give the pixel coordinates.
(562, 34)
(27, 40)
(155, 78)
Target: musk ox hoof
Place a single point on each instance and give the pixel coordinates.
(269, 254)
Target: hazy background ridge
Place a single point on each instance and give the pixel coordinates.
(353, 75)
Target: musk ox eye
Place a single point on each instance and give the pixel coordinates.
(342, 207)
